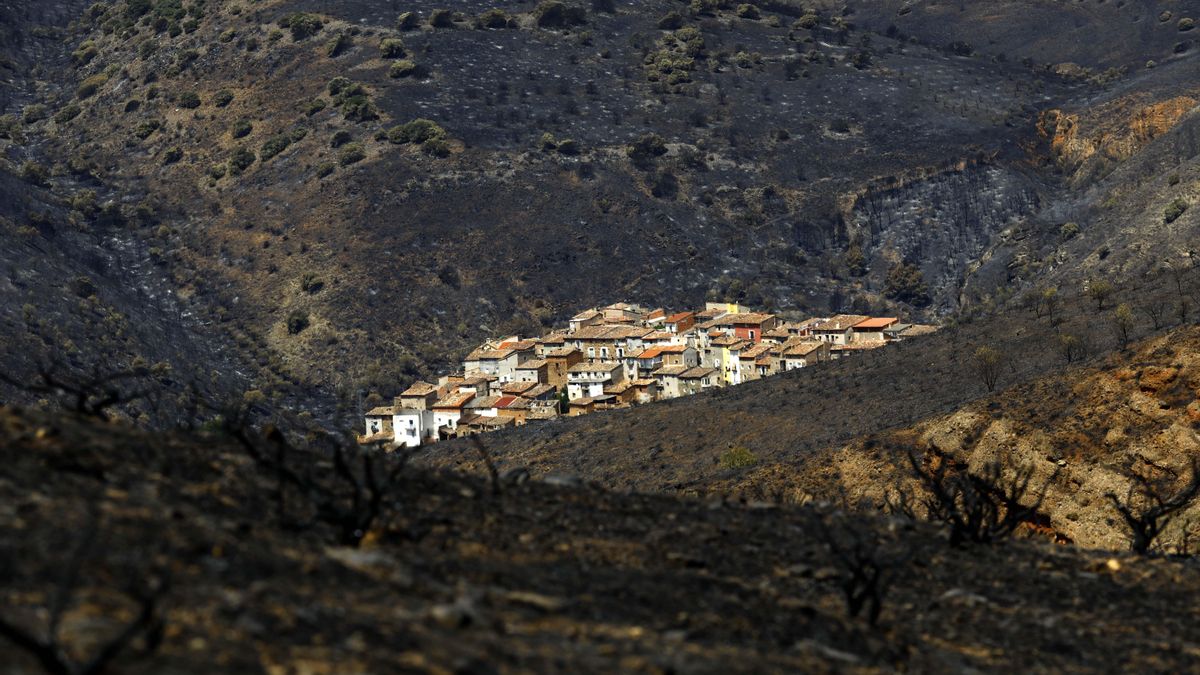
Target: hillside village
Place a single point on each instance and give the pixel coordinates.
(619, 356)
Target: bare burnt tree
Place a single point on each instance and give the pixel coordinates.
(978, 508)
(493, 473)
(351, 498)
(1149, 505)
(138, 638)
(94, 392)
(867, 569)
(1155, 309)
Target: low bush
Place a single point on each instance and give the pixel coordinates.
(493, 18)
(416, 131)
(297, 321)
(223, 98)
(1173, 210)
(556, 14)
(91, 85)
(351, 153)
(402, 68)
(391, 48)
(67, 113)
(441, 18)
(189, 100)
(302, 25)
(274, 145)
(172, 155)
(240, 160)
(241, 129)
(737, 457)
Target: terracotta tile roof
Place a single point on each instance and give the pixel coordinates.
(505, 401)
(802, 348)
(483, 402)
(561, 353)
(875, 323)
(656, 314)
(538, 391)
(581, 401)
(697, 373)
(608, 332)
(659, 335)
(681, 316)
(674, 349)
(755, 351)
(455, 400)
(652, 353)
(420, 388)
(618, 389)
(532, 364)
(382, 411)
(668, 371)
(518, 388)
(489, 354)
(517, 345)
(645, 382)
(840, 322)
(746, 319)
(585, 315)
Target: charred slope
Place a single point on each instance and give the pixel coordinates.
(103, 523)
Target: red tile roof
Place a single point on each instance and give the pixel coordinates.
(876, 323)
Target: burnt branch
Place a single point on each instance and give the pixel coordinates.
(1149, 507)
(50, 651)
(978, 508)
(867, 571)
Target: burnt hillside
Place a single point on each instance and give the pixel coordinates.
(645, 151)
(185, 542)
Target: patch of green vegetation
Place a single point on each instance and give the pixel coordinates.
(315, 106)
(241, 129)
(675, 58)
(325, 169)
(338, 45)
(240, 160)
(34, 173)
(556, 14)
(905, 283)
(172, 155)
(351, 153)
(1175, 209)
(297, 321)
(493, 18)
(353, 100)
(84, 53)
(737, 457)
(340, 138)
(274, 145)
(223, 98)
(391, 48)
(644, 150)
(67, 113)
(91, 85)
(408, 21)
(189, 100)
(302, 25)
(402, 68)
(311, 283)
(441, 18)
(144, 129)
(416, 131)
(748, 11)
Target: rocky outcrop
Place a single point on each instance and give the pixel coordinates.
(1090, 143)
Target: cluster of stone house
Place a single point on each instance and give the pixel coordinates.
(619, 356)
